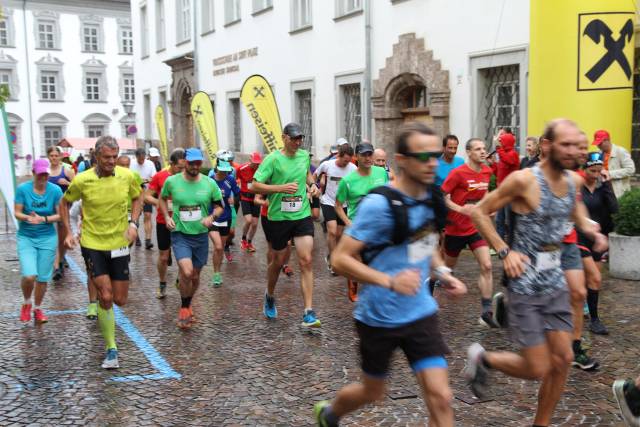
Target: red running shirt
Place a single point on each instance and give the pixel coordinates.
(157, 181)
(465, 186)
(245, 176)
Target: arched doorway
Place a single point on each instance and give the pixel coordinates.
(182, 119)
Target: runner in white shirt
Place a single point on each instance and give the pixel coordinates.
(146, 169)
(335, 170)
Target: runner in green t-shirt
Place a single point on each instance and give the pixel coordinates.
(191, 193)
(105, 191)
(353, 188)
(284, 175)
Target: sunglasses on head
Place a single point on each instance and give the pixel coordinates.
(424, 156)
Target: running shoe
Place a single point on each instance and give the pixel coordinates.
(486, 319)
(228, 256)
(161, 292)
(597, 327)
(499, 308)
(57, 274)
(353, 290)
(92, 311)
(148, 245)
(287, 270)
(629, 408)
(39, 316)
(244, 245)
(111, 360)
(269, 309)
(582, 361)
(250, 247)
(184, 318)
(217, 279)
(319, 414)
(25, 313)
(310, 320)
(475, 372)
(138, 243)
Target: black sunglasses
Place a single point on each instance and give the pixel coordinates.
(424, 156)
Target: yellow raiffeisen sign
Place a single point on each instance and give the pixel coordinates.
(581, 65)
(162, 134)
(258, 99)
(202, 113)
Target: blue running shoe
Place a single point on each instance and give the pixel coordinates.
(310, 320)
(111, 360)
(269, 309)
(319, 412)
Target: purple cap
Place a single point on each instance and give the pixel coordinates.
(40, 166)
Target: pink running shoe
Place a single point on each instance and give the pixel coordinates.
(39, 317)
(25, 313)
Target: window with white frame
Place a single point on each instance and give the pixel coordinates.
(128, 88)
(231, 11)
(9, 75)
(260, 5)
(144, 32)
(94, 83)
(92, 86)
(53, 127)
(52, 135)
(95, 131)
(300, 14)
(303, 114)
(160, 25)
(126, 40)
(235, 124)
(207, 14)
(46, 34)
(96, 125)
(15, 128)
(90, 38)
(351, 112)
(183, 20)
(6, 28)
(345, 7)
(49, 86)
(5, 77)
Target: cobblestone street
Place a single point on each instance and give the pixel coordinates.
(235, 368)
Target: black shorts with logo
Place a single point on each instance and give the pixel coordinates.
(280, 232)
(329, 214)
(418, 340)
(222, 229)
(250, 208)
(100, 263)
(164, 237)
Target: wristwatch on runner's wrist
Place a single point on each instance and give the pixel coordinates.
(135, 223)
(441, 271)
(502, 253)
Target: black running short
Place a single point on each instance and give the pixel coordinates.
(420, 341)
(329, 214)
(453, 245)
(250, 208)
(315, 202)
(265, 227)
(147, 208)
(100, 263)
(164, 237)
(222, 229)
(280, 232)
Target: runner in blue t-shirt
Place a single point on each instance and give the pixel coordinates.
(219, 231)
(395, 307)
(448, 161)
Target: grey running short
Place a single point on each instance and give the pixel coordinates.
(531, 316)
(570, 258)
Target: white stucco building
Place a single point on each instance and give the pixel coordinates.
(352, 68)
(68, 65)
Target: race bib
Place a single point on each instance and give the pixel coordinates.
(422, 248)
(291, 204)
(190, 213)
(117, 253)
(548, 260)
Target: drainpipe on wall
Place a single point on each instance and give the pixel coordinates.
(367, 69)
(196, 85)
(28, 61)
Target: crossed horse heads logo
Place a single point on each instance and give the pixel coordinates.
(597, 30)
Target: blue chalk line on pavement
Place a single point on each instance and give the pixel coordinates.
(153, 356)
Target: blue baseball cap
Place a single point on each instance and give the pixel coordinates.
(193, 155)
(224, 166)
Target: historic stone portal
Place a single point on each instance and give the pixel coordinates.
(181, 92)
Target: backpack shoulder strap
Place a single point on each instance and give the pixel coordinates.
(399, 211)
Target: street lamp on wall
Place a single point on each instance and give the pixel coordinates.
(128, 108)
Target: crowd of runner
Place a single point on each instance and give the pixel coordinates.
(395, 235)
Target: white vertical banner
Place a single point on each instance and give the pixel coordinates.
(7, 172)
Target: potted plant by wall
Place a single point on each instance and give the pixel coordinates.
(624, 244)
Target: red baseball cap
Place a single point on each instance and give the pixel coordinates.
(256, 158)
(600, 136)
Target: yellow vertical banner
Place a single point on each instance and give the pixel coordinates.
(581, 65)
(257, 97)
(202, 113)
(162, 134)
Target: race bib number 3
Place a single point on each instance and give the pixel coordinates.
(291, 204)
(117, 253)
(548, 260)
(423, 248)
(190, 213)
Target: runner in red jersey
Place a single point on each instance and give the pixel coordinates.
(465, 186)
(176, 165)
(250, 210)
